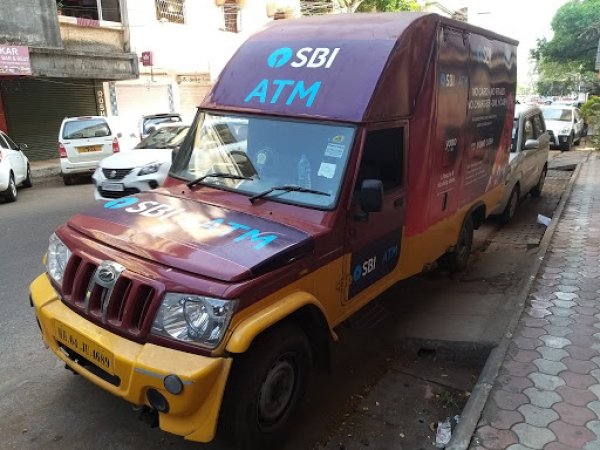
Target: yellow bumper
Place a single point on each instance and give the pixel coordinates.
(193, 413)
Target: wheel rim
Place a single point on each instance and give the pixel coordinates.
(13, 187)
(276, 392)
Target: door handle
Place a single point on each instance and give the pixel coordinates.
(399, 202)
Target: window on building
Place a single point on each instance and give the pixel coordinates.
(170, 11)
(232, 16)
(90, 9)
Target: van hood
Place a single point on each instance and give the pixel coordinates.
(136, 158)
(195, 237)
(557, 125)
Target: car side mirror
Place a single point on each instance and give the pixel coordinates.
(531, 144)
(23, 147)
(371, 196)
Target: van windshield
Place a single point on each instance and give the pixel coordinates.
(268, 153)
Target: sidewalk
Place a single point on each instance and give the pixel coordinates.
(45, 169)
(547, 393)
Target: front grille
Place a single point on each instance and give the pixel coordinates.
(123, 308)
(116, 174)
(118, 194)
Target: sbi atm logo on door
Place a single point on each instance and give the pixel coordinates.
(290, 92)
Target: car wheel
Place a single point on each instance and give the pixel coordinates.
(27, 183)
(265, 387)
(457, 259)
(569, 144)
(10, 194)
(537, 189)
(67, 179)
(511, 206)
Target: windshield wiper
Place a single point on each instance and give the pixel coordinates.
(229, 176)
(287, 188)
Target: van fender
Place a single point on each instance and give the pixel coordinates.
(245, 333)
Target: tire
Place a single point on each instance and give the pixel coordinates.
(457, 259)
(537, 189)
(67, 179)
(511, 206)
(27, 183)
(10, 194)
(265, 387)
(568, 146)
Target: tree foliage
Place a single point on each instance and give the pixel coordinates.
(378, 5)
(568, 59)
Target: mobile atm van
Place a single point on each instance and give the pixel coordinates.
(335, 156)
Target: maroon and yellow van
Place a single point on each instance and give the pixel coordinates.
(335, 156)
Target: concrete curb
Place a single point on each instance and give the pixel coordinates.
(44, 172)
(463, 433)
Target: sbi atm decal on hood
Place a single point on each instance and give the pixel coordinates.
(288, 91)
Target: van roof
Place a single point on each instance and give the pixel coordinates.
(334, 66)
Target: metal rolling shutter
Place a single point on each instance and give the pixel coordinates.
(35, 108)
(135, 101)
(190, 96)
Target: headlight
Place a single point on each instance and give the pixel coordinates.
(193, 318)
(57, 258)
(150, 168)
(565, 130)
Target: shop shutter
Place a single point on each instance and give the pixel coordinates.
(135, 101)
(35, 108)
(190, 96)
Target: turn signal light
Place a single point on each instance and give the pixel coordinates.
(115, 145)
(62, 151)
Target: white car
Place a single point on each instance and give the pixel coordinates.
(14, 168)
(528, 159)
(84, 141)
(143, 168)
(565, 124)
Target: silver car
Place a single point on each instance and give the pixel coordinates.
(565, 125)
(528, 159)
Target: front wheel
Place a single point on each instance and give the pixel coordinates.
(265, 388)
(537, 189)
(511, 207)
(456, 259)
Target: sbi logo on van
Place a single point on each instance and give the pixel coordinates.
(292, 91)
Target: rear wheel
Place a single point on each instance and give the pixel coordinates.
(457, 259)
(67, 179)
(27, 183)
(265, 387)
(537, 189)
(511, 206)
(10, 194)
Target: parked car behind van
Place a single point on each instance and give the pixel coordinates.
(145, 167)
(150, 122)
(565, 125)
(528, 159)
(14, 168)
(84, 141)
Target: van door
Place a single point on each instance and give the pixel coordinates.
(374, 239)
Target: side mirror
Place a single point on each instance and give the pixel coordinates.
(23, 147)
(531, 144)
(371, 196)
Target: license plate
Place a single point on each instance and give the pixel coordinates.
(114, 187)
(85, 347)
(89, 149)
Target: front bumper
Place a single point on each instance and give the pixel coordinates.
(132, 183)
(138, 367)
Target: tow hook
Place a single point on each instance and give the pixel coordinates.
(147, 415)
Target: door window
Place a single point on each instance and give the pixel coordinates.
(11, 143)
(3, 143)
(383, 158)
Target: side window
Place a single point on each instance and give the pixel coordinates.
(528, 130)
(3, 143)
(538, 126)
(382, 158)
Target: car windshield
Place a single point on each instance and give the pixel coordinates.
(85, 128)
(153, 121)
(167, 137)
(563, 115)
(302, 163)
